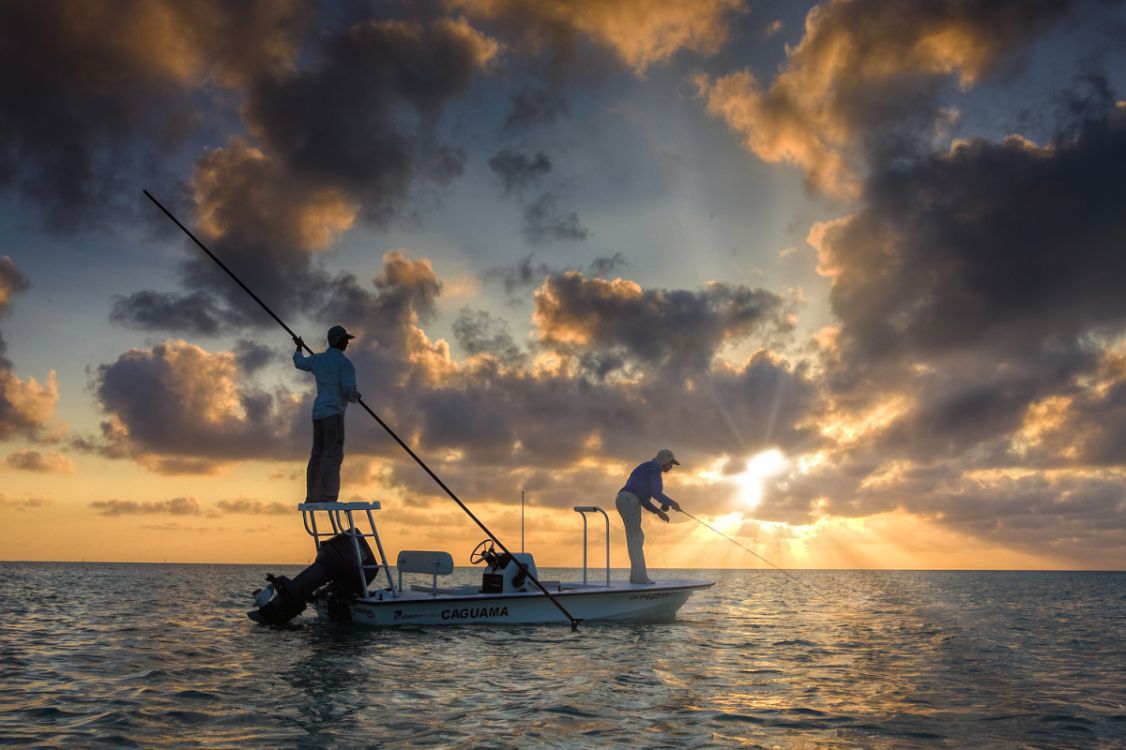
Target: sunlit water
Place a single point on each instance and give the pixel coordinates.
(163, 656)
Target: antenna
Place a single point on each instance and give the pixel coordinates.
(521, 521)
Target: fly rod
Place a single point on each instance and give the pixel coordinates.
(748, 549)
(523, 568)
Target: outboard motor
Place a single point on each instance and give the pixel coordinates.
(335, 566)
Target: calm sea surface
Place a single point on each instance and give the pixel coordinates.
(162, 656)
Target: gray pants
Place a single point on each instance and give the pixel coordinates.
(322, 477)
(630, 509)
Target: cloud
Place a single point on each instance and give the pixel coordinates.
(24, 504)
(255, 507)
(26, 406)
(606, 265)
(361, 117)
(527, 272)
(348, 135)
(479, 333)
(671, 330)
(91, 90)
(866, 77)
(252, 356)
(195, 314)
(518, 171)
(12, 282)
(177, 506)
(544, 221)
(977, 378)
(980, 281)
(187, 410)
(46, 463)
(641, 33)
(532, 106)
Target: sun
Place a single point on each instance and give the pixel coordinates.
(759, 467)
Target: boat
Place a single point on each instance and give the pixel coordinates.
(351, 582)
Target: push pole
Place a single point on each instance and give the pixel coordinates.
(523, 568)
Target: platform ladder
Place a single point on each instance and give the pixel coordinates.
(341, 520)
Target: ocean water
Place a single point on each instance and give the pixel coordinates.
(155, 656)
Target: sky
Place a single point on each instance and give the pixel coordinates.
(859, 264)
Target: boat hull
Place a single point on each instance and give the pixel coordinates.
(616, 603)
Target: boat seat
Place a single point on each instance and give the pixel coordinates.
(424, 561)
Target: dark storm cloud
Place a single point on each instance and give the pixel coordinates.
(252, 356)
(675, 330)
(532, 107)
(194, 314)
(91, 91)
(177, 506)
(478, 332)
(362, 116)
(996, 266)
(544, 221)
(348, 134)
(517, 170)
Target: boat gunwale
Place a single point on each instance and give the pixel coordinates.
(492, 596)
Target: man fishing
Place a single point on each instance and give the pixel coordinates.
(644, 485)
(336, 386)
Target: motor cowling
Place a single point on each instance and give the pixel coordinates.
(335, 567)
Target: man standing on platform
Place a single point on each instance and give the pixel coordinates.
(336, 387)
(643, 485)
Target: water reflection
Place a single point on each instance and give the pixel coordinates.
(163, 656)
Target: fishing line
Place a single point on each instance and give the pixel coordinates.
(523, 568)
(748, 549)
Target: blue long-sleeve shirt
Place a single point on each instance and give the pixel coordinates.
(645, 482)
(336, 380)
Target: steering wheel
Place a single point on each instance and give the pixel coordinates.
(482, 552)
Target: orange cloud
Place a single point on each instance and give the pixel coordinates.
(859, 67)
(189, 42)
(26, 406)
(640, 32)
(240, 184)
(47, 463)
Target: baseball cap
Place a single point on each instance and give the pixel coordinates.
(665, 456)
(336, 334)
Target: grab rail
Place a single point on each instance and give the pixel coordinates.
(583, 510)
